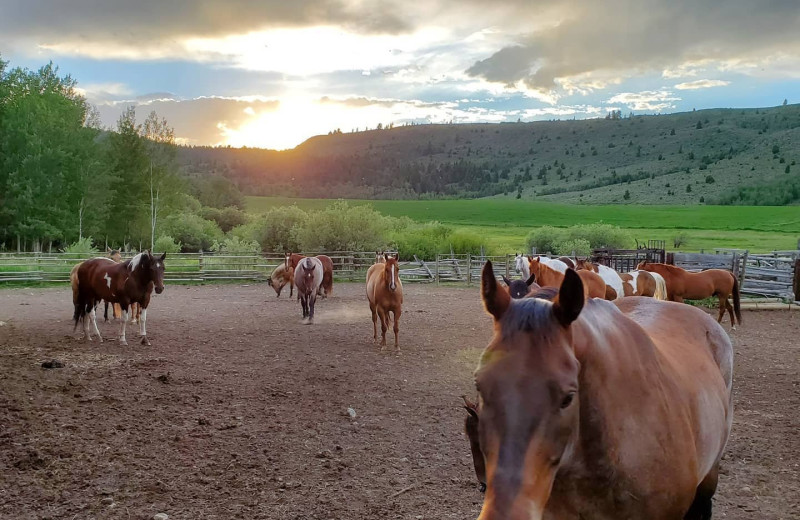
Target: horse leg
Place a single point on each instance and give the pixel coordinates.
(93, 316)
(87, 334)
(374, 323)
(105, 314)
(723, 303)
(730, 311)
(701, 506)
(143, 328)
(304, 304)
(396, 327)
(382, 314)
(122, 340)
(312, 300)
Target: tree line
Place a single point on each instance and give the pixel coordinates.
(63, 178)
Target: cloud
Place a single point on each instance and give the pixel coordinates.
(196, 121)
(634, 36)
(702, 83)
(650, 101)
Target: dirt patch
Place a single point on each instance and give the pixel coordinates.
(239, 411)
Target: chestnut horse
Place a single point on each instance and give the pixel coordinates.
(326, 289)
(598, 410)
(280, 277)
(385, 295)
(125, 283)
(307, 279)
(546, 276)
(696, 286)
(614, 286)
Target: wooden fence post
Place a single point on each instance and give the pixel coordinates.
(796, 279)
(508, 266)
(743, 269)
(437, 268)
(200, 266)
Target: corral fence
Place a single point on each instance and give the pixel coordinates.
(775, 274)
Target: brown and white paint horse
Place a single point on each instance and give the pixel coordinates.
(547, 276)
(125, 283)
(597, 410)
(385, 295)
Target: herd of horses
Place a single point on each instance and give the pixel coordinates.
(600, 396)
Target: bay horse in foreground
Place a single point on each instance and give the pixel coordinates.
(385, 295)
(124, 283)
(307, 279)
(696, 286)
(281, 276)
(326, 288)
(596, 410)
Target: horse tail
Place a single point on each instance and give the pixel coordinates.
(736, 304)
(661, 287)
(73, 280)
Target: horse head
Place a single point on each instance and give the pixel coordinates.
(287, 259)
(519, 288)
(391, 270)
(641, 265)
(584, 263)
(527, 382)
(114, 254)
(149, 268)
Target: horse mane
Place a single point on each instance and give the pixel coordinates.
(133, 263)
(544, 293)
(528, 315)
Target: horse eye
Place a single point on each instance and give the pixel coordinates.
(567, 400)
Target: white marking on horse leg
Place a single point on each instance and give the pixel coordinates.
(122, 340)
(93, 316)
(108, 280)
(142, 321)
(87, 335)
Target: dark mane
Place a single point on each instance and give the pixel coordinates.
(527, 315)
(544, 293)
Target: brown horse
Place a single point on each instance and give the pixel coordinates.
(326, 289)
(598, 410)
(385, 295)
(546, 276)
(280, 277)
(682, 284)
(125, 283)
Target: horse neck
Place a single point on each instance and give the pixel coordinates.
(549, 276)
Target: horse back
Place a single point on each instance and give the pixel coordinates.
(300, 281)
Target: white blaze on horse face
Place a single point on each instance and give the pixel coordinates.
(108, 280)
(392, 284)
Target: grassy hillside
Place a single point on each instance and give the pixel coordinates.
(504, 223)
(727, 155)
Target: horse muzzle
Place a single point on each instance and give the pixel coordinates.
(159, 290)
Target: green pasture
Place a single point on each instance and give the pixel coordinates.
(505, 223)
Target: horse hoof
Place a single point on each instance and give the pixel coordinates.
(145, 341)
(123, 343)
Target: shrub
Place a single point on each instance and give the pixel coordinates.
(464, 242)
(423, 240)
(226, 218)
(193, 231)
(83, 246)
(580, 246)
(601, 236)
(219, 192)
(545, 239)
(233, 244)
(342, 227)
(166, 244)
(275, 230)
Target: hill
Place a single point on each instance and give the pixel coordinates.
(731, 156)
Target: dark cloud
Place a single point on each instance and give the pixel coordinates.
(145, 22)
(198, 120)
(625, 35)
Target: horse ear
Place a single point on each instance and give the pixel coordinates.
(507, 281)
(163, 256)
(570, 298)
(530, 280)
(471, 407)
(495, 301)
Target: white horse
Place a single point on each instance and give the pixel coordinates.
(521, 265)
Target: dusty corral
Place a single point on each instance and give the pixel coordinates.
(239, 411)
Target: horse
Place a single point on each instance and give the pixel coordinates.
(696, 286)
(307, 279)
(554, 263)
(280, 277)
(644, 283)
(326, 288)
(614, 286)
(385, 295)
(520, 288)
(125, 283)
(569, 262)
(116, 310)
(521, 265)
(597, 410)
(547, 276)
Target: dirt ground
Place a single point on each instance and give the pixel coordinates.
(239, 411)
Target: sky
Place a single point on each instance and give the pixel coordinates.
(272, 73)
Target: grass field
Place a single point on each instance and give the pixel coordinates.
(505, 223)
